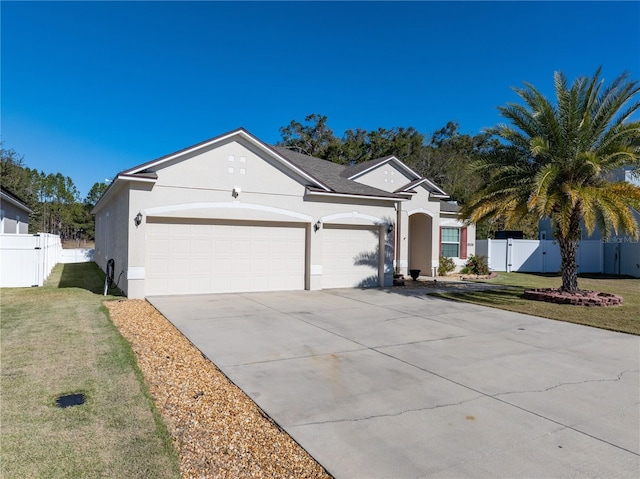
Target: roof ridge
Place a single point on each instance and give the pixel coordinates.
(331, 174)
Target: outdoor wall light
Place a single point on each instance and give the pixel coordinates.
(317, 226)
(236, 191)
(138, 219)
(390, 228)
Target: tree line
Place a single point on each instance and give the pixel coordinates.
(53, 198)
(445, 157)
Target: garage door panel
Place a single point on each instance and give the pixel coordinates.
(202, 258)
(199, 245)
(262, 265)
(261, 249)
(200, 267)
(349, 257)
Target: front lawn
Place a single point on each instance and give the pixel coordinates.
(58, 340)
(625, 318)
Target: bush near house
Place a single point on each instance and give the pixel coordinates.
(445, 266)
(476, 265)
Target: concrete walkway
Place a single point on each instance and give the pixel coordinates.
(380, 383)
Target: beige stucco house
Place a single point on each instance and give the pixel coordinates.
(233, 214)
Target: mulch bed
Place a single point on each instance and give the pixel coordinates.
(217, 429)
(579, 298)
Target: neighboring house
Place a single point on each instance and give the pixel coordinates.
(625, 174)
(233, 214)
(14, 213)
(26, 260)
(620, 252)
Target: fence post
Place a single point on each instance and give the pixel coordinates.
(509, 253)
(39, 261)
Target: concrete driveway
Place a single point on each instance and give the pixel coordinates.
(375, 383)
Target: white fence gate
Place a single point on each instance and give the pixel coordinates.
(27, 260)
(622, 256)
(543, 256)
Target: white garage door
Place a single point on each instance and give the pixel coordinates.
(185, 257)
(349, 256)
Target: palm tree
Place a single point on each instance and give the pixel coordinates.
(556, 159)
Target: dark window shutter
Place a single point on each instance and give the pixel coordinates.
(463, 243)
(440, 243)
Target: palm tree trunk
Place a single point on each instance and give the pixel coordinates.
(569, 265)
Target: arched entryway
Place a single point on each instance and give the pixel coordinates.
(420, 243)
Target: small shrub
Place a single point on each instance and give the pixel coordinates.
(445, 266)
(476, 265)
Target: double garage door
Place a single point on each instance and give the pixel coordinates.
(200, 257)
(188, 257)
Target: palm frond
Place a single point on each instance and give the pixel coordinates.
(559, 155)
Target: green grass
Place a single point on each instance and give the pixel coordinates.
(58, 340)
(625, 318)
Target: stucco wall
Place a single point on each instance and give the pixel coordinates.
(234, 163)
(112, 230)
(266, 191)
(386, 177)
(236, 180)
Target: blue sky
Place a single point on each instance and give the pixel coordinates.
(92, 88)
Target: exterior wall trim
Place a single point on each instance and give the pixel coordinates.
(353, 214)
(421, 210)
(135, 272)
(135, 178)
(16, 203)
(364, 197)
(158, 210)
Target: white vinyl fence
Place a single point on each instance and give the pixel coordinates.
(617, 256)
(76, 255)
(622, 256)
(27, 259)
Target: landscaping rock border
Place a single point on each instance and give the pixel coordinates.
(218, 430)
(580, 298)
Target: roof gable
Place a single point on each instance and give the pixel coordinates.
(332, 175)
(14, 199)
(429, 185)
(240, 132)
(360, 169)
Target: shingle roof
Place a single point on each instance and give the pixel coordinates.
(15, 199)
(410, 185)
(330, 174)
(447, 207)
(352, 170)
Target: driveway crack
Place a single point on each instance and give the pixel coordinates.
(395, 414)
(570, 383)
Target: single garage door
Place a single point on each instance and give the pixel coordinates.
(191, 257)
(349, 256)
